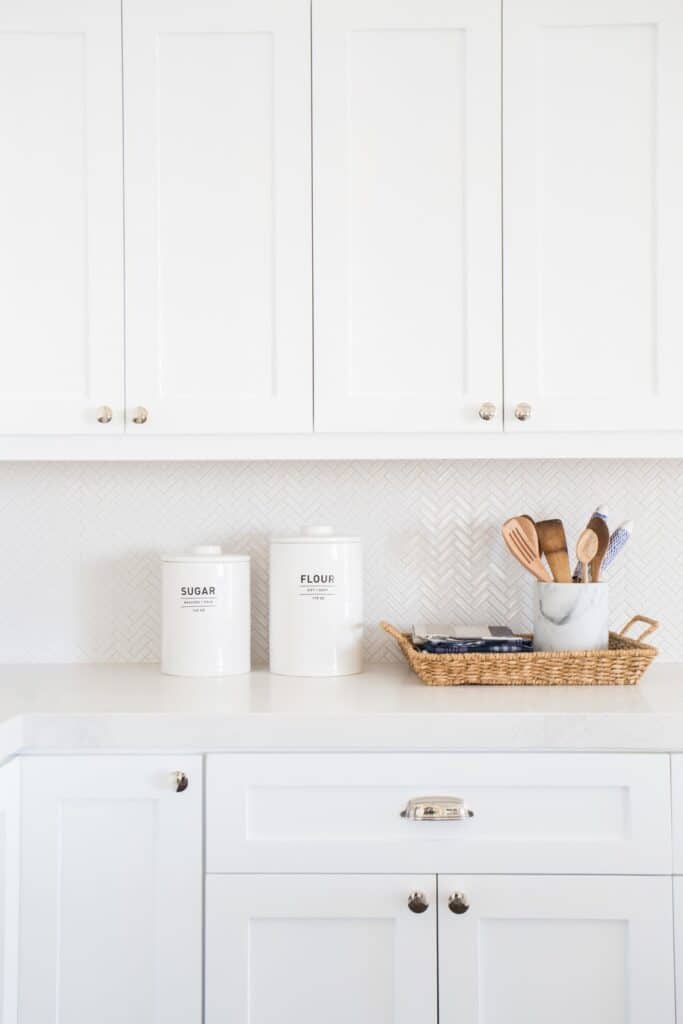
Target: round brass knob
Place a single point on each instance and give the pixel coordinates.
(140, 415)
(181, 782)
(104, 414)
(487, 411)
(417, 901)
(458, 903)
(523, 411)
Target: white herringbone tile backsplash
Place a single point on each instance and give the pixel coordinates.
(79, 542)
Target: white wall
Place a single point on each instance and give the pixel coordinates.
(79, 543)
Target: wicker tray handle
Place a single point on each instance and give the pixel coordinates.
(651, 626)
(392, 631)
(401, 639)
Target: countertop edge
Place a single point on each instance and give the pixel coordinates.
(145, 732)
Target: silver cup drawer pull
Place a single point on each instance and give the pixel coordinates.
(437, 808)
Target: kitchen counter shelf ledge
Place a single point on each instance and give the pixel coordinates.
(81, 708)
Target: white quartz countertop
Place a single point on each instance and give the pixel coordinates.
(93, 708)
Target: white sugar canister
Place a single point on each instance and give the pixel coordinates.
(206, 615)
(316, 604)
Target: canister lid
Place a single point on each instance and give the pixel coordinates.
(316, 533)
(204, 553)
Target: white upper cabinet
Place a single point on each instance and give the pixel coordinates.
(329, 197)
(218, 216)
(61, 242)
(593, 165)
(406, 171)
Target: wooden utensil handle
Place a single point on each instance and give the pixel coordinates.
(652, 625)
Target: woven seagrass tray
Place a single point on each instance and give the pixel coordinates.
(621, 665)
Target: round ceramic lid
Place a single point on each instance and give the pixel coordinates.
(316, 534)
(204, 553)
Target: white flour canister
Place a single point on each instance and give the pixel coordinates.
(316, 604)
(206, 614)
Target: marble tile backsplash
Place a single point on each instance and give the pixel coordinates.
(79, 543)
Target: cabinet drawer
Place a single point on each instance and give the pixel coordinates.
(570, 813)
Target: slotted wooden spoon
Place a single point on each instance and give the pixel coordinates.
(525, 548)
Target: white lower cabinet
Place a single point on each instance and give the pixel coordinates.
(9, 890)
(678, 944)
(296, 949)
(531, 950)
(111, 890)
(562, 911)
(102, 907)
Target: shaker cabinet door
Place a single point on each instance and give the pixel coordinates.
(10, 873)
(529, 950)
(61, 217)
(218, 216)
(406, 170)
(678, 945)
(320, 949)
(593, 212)
(111, 891)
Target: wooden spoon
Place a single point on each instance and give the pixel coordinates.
(553, 544)
(524, 549)
(600, 528)
(586, 550)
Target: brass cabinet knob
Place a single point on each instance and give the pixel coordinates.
(417, 901)
(140, 415)
(523, 411)
(104, 414)
(181, 782)
(487, 411)
(458, 903)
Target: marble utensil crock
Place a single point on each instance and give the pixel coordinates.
(571, 617)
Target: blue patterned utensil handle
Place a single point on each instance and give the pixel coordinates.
(617, 542)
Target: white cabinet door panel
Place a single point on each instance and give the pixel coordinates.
(677, 811)
(530, 950)
(218, 215)
(10, 873)
(406, 156)
(678, 945)
(61, 216)
(301, 949)
(111, 891)
(593, 163)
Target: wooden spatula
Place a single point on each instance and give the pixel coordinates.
(553, 544)
(601, 530)
(586, 550)
(529, 526)
(524, 549)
